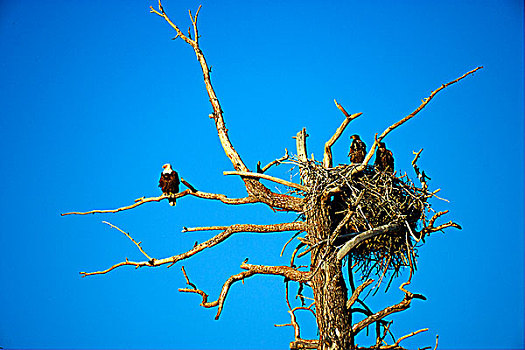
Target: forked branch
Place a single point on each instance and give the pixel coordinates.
(217, 116)
(431, 228)
(224, 291)
(399, 340)
(254, 188)
(299, 343)
(403, 305)
(422, 177)
(251, 270)
(327, 157)
(272, 163)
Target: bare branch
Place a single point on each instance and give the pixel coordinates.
(300, 141)
(362, 236)
(191, 192)
(231, 153)
(357, 292)
(327, 158)
(187, 184)
(254, 188)
(403, 305)
(341, 225)
(138, 202)
(219, 238)
(287, 242)
(422, 177)
(128, 235)
(294, 253)
(408, 117)
(304, 344)
(277, 161)
(405, 337)
(205, 228)
(298, 343)
(285, 271)
(224, 291)
(194, 22)
(417, 155)
(267, 177)
(430, 227)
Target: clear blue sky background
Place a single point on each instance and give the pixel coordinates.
(95, 97)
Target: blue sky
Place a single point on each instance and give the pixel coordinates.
(96, 97)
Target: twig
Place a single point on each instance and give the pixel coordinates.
(410, 335)
(187, 184)
(128, 235)
(420, 175)
(194, 22)
(276, 161)
(204, 228)
(357, 292)
(187, 279)
(288, 241)
(341, 225)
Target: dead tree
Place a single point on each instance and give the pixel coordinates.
(372, 221)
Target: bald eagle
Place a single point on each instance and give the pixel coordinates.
(357, 150)
(384, 159)
(169, 182)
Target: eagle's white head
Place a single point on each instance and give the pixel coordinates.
(167, 168)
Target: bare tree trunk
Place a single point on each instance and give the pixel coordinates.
(329, 288)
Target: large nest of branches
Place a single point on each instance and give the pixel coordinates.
(379, 211)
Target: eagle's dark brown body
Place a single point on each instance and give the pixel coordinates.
(357, 150)
(384, 159)
(169, 182)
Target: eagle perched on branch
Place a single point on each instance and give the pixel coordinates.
(357, 149)
(384, 159)
(169, 182)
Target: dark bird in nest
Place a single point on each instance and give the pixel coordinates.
(357, 149)
(384, 159)
(169, 182)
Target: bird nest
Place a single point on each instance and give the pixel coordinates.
(387, 208)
